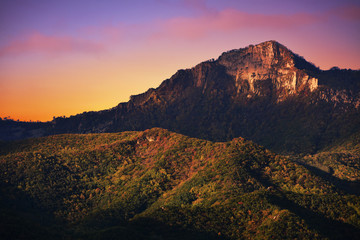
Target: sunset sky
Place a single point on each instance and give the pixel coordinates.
(64, 57)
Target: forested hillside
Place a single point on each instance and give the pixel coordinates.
(158, 184)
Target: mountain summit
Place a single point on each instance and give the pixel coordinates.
(264, 67)
(265, 93)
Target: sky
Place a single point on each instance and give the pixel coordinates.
(61, 58)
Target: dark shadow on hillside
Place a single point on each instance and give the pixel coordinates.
(328, 228)
(349, 187)
(20, 218)
(149, 229)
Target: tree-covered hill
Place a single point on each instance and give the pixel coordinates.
(157, 184)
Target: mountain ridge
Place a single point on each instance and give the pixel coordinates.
(256, 92)
(240, 64)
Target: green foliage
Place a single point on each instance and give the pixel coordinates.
(160, 185)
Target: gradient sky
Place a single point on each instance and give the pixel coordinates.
(64, 57)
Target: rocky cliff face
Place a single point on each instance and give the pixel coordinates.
(266, 68)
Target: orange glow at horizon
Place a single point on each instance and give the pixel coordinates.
(46, 89)
(43, 90)
(51, 70)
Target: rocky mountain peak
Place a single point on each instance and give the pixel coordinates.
(268, 55)
(268, 67)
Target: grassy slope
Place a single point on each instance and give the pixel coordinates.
(160, 185)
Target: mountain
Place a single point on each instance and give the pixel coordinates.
(264, 93)
(202, 179)
(157, 184)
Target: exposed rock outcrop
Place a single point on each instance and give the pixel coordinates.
(267, 66)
